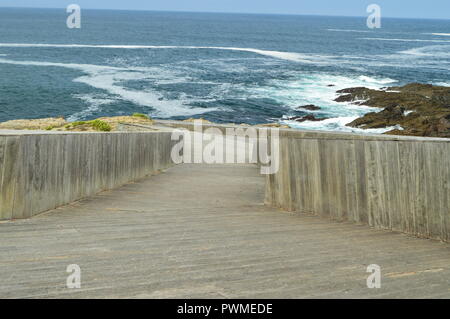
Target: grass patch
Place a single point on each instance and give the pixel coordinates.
(141, 116)
(78, 123)
(100, 125)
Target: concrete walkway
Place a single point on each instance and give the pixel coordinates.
(199, 231)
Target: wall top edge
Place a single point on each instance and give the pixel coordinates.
(35, 133)
(310, 134)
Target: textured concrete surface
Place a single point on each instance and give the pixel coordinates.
(43, 170)
(199, 231)
(400, 183)
(396, 183)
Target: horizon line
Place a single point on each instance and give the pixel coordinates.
(224, 12)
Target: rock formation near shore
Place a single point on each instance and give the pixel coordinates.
(60, 124)
(416, 109)
(305, 118)
(310, 107)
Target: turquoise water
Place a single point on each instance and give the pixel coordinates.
(223, 67)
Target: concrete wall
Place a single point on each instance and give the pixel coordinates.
(41, 171)
(396, 183)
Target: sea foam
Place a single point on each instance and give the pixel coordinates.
(288, 56)
(108, 78)
(405, 40)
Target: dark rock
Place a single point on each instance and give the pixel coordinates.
(330, 85)
(310, 107)
(420, 109)
(306, 118)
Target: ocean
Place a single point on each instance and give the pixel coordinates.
(226, 68)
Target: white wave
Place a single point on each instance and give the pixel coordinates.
(82, 67)
(405, 40)
(335, 124)
(314, 88)
(349, 30)
(289, 56)
(376, 81)
(94, 101)
(440, 34)
(108, 78)
(434, 51)
(92, 46)
(109, 81)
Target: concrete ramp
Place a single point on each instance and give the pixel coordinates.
(202, 231)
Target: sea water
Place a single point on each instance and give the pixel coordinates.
(227, 68)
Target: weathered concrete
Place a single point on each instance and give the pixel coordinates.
(396, 183)
(399, 183)
(203, 231)
(199, 231)
(40, 171)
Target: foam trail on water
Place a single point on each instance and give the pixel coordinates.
(434, 51)
(108, 78)
(440, 34)
(94, 101)
(313, 88)
(83, 67)
(405, 40)
(345, 30)
(376, 81)
(289, 56)
(337, 124)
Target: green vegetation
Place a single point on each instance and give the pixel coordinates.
(141, 116)
(100, 125)
(49, 128)
(74, 124)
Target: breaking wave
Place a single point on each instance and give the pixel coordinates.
(288, 56)
(337, 124)
(345, 30)
(440, 34)
(434, 51)
(405, 40)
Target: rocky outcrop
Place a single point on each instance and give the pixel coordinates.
(33, 124)
(419, 109)
(60, 124)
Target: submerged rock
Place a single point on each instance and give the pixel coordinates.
(309, 117)
(420, 109)
(310, 107)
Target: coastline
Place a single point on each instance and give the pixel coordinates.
(412, 110)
